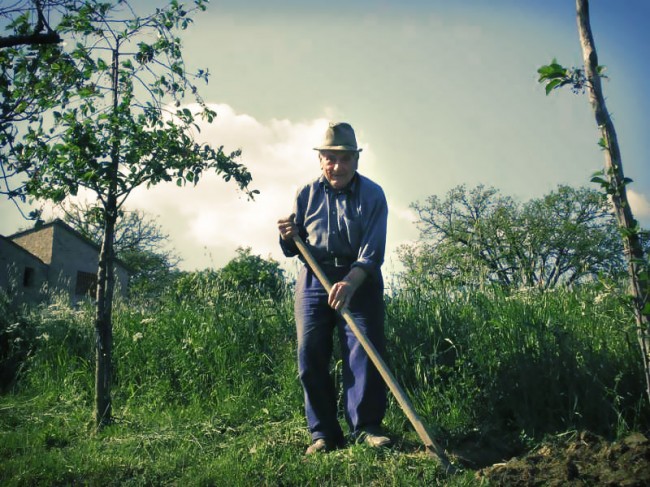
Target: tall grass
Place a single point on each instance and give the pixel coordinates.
(533, 362)
(210, 346)
(206, 389)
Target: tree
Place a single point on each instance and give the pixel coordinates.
(478, 234)
(251, 273)
(140, 243)
(464, 233)
(122, 125)
(570, 234)
(612, 178)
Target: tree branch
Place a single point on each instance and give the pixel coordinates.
(30, 40)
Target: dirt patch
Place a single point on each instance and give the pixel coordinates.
(584, 459)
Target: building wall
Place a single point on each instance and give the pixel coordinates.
(22, 276)
(69, 262)
(74, 260)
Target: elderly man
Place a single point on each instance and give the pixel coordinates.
(342, 216)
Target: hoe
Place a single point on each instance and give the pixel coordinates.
(431, 446)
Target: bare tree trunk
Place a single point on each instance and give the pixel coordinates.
(104, 326)
(637, 265)
(106, 277)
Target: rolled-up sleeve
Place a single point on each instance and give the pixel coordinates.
(289, 247)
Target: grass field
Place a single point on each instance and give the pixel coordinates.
(206, 389)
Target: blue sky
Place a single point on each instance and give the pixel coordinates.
(441, 93)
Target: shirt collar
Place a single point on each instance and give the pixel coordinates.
(350, 188)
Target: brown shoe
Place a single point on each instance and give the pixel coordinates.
(321, 445)
(373, 436)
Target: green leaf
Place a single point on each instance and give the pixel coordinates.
(552, 84)
(86, 91)
(628, 232)
(553, 70)
(599, 180)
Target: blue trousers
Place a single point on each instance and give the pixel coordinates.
(364, 391)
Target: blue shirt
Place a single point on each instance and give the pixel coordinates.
(349, 223)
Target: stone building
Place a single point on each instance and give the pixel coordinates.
(52, 257)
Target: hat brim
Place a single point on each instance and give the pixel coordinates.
(339, 147)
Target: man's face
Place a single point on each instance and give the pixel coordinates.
(338, 166)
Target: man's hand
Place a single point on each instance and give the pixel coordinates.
(342, 291)
(287, 227)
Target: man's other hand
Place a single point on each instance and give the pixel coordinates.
(287, 227)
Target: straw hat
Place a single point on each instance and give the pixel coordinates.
(339, 136)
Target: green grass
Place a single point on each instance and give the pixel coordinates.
(206, 389)
(186, 446)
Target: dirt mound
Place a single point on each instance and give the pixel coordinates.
(585, 459)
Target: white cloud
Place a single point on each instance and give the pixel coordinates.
(207, 222)
(639, 204)
(402, 213)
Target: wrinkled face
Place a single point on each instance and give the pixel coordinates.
(338, 166)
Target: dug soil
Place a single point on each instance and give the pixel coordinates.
(582, 459)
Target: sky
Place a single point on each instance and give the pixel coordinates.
(440, 93)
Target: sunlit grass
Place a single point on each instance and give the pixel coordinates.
(206, 389)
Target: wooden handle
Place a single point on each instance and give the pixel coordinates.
(432, 447)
